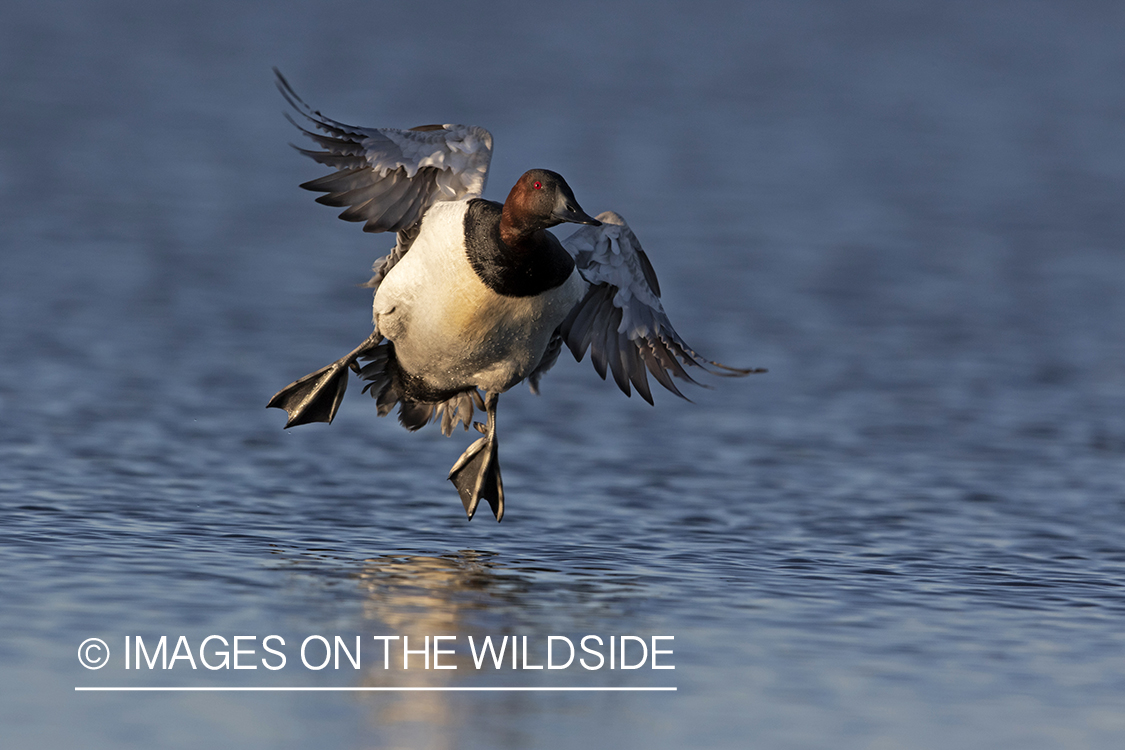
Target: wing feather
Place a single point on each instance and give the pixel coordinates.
(581, 322)
(388, 177)
(596, 334)
(362, 192)
(614, 350)
(344, 181)
(636, 368)
(621, 320)
(400, 215)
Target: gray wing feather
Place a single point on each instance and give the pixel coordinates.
(389, 178)
(621, 320)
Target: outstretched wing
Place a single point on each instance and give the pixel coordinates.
(388, 178)
(621, 319)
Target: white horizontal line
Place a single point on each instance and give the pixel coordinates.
(297, 689)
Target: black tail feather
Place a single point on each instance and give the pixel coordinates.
(390, 387)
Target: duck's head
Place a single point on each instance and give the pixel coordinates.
(541, 199)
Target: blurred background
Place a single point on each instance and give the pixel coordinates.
(907, 534)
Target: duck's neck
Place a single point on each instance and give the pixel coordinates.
(517, 235)
(513, 261)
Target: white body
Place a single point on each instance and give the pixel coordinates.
(448, 327)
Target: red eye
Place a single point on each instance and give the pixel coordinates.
(537, 185)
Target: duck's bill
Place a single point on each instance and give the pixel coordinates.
(575, 215)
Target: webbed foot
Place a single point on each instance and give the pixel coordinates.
(317, 396)
(476, 474)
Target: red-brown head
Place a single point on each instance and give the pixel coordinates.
(540, 199)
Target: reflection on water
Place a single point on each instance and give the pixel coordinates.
(416, 596)
(419, 596)
(435, 594)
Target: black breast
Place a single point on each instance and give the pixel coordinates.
(537, 265)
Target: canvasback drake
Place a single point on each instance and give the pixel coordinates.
(477, 296)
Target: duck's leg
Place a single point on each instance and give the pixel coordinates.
(476, 474)
(317, 396)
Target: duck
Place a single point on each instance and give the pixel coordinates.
(477, 296)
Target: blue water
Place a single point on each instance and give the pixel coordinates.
(909, 534)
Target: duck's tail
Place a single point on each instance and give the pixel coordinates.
(389, 386)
